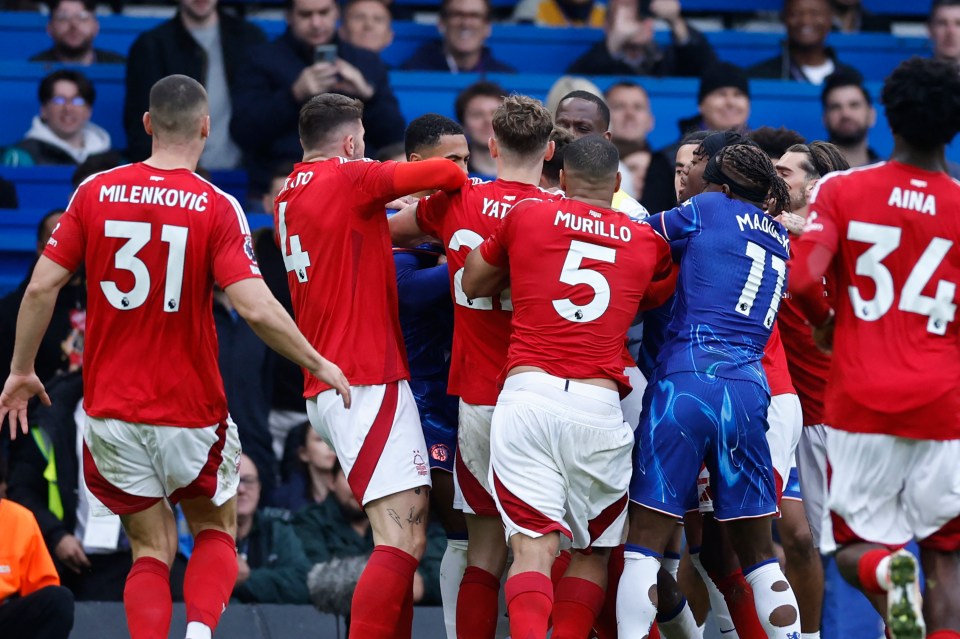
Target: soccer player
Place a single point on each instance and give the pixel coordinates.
(560, 448)
(336, 248)
(709, 399)
(887, 235)
(426, 318)
(481, 335)
(153, 238)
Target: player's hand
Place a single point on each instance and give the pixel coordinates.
(351, 81)
(243, 570)
(402, 202)
(315, 79)
(330, 373)
(69, 551)
(823, 335)
(792, 222)
(17, 391)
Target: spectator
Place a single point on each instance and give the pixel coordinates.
(73, 25)
(91, 554)
(636, 156)
(723, 101)
(62, 133)
(366, 24)
(308, 466)
(32, 601)
(464, 29)
(272, 567)
(849, 16)
(282, 75)
(944, 28)
(93, 165)
(474, 108)
(775, 142)
(848, 116)
(62, 346)
(561, 13)
(804, 56)
(393, 152)
(337, 538)
(631, 119)
(206, 44)
(564, 86)
(628, 47)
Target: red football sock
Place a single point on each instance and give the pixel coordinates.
(559, 568)
(577, 604)
(210, 577)
(405, 624)
(477, 604)
(739, 597)
(147, 599)
(867, 570)
(606, 623)
(944, 634)
(529, 601)
(378, 600)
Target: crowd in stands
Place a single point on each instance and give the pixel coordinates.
(297, 517)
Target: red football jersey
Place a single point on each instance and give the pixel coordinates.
(893, 229)
(481, 328)
(808, 366)
(775, 366)
(577, 275)
(331, 226)
(153, 243)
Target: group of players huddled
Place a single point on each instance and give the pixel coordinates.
(570, 459)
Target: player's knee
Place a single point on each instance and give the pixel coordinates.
(797, 543)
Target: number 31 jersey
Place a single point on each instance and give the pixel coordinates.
(153, 243)
(733, 269)
(893, 230)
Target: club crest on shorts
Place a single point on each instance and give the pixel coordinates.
(439, 452)
(422, 468)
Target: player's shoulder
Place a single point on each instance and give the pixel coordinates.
(224, 201)
(850, 181)
(117, 173)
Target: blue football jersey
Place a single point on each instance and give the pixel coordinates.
(733, 272)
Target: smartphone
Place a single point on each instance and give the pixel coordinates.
(325, 53)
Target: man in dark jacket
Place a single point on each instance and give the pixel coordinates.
(273, 567)
(44, 477)
(464, 28)
(201, 42)
(628, 47)
(73, 25)
(280, 76)
(805, 56)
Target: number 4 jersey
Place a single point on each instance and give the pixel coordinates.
(893, 231)
(153, 243)
(733, 268)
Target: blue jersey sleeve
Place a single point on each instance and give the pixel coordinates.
(678, 224)
(418, 286)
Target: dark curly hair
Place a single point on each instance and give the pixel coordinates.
(749, 166)
(922, 102)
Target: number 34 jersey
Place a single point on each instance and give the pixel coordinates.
(733, 268)
(893, 230)
(153, 242)
(481, 332)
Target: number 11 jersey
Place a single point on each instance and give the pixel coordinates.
(733, 269)
(893, 229)
(153, 242)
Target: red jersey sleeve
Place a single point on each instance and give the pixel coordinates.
(431, 212)
(373, 180)
(68, 241)
(232, 246)
(494, 248)
(823, 221)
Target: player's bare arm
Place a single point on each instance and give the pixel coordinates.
(35, 312)
(268, 319)
(480, 278)
(404, 230)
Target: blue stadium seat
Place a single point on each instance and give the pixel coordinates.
(18, 245)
